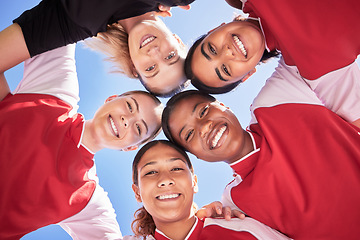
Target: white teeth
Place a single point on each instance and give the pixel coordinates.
(162, 197)
(218, 136)
(147, 40)
(113, 126)
(240, 45)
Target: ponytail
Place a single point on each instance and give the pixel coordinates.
(143, 225)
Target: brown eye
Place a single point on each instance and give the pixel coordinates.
(204, 111)
(212, 49)
(138, 129)
(225, 70)
(188, 135)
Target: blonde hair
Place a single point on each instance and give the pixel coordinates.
(114, 44)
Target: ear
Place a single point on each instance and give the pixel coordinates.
(131, 148)
(137, 192)
(111, 98)
(216, 28)
(248, 75)
(222, 104)
(178, 39)
(134, 72)
(195, 184)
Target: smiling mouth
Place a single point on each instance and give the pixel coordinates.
(170, 196)
(240, 45)
(217, 136)
(113, 126)
(146, 40)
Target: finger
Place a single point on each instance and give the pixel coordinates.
(227, 213)
(186, 7)
(164, 8)
(201, 213)
(238, 214)
(164, 14)
(217, 206)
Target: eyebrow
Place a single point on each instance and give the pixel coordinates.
(209, 58)
(192, 112)
(157, 72)
(170, 160)
(219, 75)
(137, 109)
(204, 53)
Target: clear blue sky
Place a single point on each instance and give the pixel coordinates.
(97, 83)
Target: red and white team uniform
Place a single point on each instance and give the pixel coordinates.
(247, 229)
(321, 41)
(303, 176)
(49, 176)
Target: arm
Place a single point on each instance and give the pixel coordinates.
(4, 87)
(56, 23)
(96, 221)
(13, 49)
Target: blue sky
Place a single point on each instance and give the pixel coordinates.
(97, 83)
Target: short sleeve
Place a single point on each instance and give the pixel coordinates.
(52, 73)
(96, 221)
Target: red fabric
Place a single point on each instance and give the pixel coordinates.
(305, 179)
(44, 172)
(318, 36)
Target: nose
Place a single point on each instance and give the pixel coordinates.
(125, 121)
(228, 51)
(205, 128)
(165, 181)
(154, 51)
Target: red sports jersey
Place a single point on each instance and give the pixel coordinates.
(318, 36)
(303, 178)
(42, 161)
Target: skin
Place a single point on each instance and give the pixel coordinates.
(167, 174)
(135, 116)
(161, 59)
(204, 121)
(219, 61)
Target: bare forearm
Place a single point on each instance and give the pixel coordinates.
(13, 48)
(4, 87)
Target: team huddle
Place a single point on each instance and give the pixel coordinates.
(296, 165)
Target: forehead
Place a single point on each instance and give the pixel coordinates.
(169, 77)
(168, 155)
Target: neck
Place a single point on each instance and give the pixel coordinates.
(176, 230)
(129, 23)
(246, 147)
(88, 138)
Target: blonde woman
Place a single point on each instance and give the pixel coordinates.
(56, 23)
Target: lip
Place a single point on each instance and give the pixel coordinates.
(146, 39)
(114, 127)
(217, 136)
(239, 45)
(168, 196)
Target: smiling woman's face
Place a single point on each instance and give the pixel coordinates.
(126, 120)
(166, 185)
(157, 55)
(210, 130)
(228, 54)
